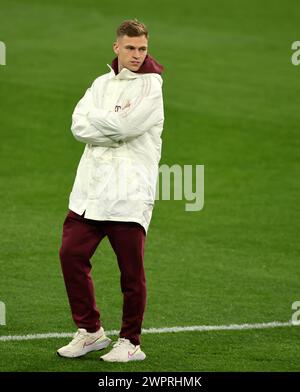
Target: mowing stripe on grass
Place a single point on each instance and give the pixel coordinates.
(231, 327)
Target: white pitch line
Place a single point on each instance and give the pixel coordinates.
(231, 327)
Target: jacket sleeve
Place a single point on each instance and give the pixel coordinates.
(140, 114)
(83, 130)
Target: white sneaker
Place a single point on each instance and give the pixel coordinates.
(83, 343)
(124, 351)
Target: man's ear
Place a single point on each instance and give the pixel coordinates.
(116, 48)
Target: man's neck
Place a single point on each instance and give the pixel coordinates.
(120, 66)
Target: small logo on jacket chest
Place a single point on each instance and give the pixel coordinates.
(117, 108)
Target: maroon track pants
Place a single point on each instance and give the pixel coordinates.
(80, 239)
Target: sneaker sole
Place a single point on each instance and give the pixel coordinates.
(138, 357)
(93, 347)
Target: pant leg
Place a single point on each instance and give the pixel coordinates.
(127, 240)
(79, 241)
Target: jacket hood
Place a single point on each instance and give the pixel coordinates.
(150, 65)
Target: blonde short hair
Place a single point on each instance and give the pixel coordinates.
(132, 28)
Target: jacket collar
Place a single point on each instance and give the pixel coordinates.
(124, 74)
(150, 65)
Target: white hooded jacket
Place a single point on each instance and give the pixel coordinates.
(120, 119)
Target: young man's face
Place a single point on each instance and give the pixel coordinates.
(131, 51)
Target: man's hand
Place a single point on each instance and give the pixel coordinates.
(127, 105)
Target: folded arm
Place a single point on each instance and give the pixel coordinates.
(138, 116)
(81, 127)
(107, 128)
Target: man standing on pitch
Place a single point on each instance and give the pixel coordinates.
(120, 120)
